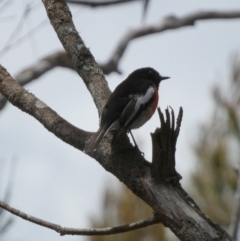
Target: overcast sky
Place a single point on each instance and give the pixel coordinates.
(58, 183)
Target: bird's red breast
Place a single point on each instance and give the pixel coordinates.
(154, 104)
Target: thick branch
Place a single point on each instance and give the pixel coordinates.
(174, 203)
(30, 104)
(77, 231)
(171, 205)
(82, 59)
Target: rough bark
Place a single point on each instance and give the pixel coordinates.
(170, 203)
(158, 188)
(176, 205)
(81, 57)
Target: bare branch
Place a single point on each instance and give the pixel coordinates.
(145, 8)
(6, 223)
(19, 25)
(62, 59)
(170, 203)
(4, 227)
(5, 5)
(77, 231)
(164, 141)
(28, 8)
(11, 176)
(58, 59)
(173, 201)
(168, 23)
(44, 114)
(10, 45)
(94, 4)
(81, 57)
(37, 70)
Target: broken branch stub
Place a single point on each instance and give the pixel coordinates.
(164, 141)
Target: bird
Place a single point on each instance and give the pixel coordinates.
(130, 105)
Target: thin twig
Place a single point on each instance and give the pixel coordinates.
(20, 40)
(112, 64)
(18, 26)
(168, 23)
(36, 70)
(72, 231)
(6, 222)
(94, 4)
(5, 5)
(174, 212)
(10, 182)
(44, 114)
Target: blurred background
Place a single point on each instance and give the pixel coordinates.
(46, 178)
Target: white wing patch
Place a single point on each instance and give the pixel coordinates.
(141, 100)
(149, 94)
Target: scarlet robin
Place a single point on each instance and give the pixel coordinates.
(130, 106)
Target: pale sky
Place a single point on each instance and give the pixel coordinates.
(58, 183)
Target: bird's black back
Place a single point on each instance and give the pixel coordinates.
(136, 84)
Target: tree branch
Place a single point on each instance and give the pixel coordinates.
(61, 59)
(164, 146)
(94, 4)
(170, 203)
(168, 23)
(30, 104)
(77, 231)
(35, 71)
(81, 57)
(173, 202)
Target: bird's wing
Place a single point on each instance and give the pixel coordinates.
(135, 106)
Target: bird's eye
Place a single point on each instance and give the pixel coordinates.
(150, 72)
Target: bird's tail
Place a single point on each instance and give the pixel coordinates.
(96, 139)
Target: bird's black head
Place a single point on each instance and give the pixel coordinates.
(148, 74)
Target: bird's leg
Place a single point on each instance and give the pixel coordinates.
(135, 143)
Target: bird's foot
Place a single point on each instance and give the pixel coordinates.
(141, 153)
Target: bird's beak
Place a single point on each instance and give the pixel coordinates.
(164, 77)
